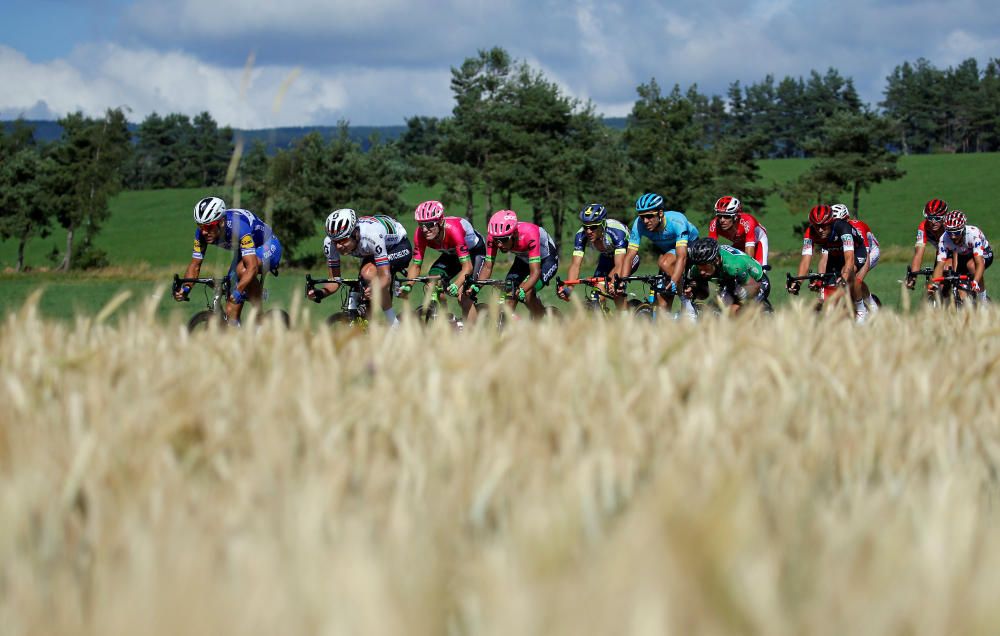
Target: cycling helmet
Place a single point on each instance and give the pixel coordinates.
(429, 211)
(728, 206)
(502, 223)
(821, 215)
(593, 213)
(341, 223)
(840, 211)
(649, 202)
(209, 210)
(935, 207)
(703, 250)
(954, 221)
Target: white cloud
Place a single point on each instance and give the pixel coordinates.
(94, 78)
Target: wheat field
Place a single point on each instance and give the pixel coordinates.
(770, 475)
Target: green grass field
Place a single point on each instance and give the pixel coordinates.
(148, 236)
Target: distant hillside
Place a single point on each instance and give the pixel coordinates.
(278, 138)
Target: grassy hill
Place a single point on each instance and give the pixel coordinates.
(150, 232)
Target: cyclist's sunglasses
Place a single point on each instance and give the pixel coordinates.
(650, 215)
(426, 225)
(593, 226)
(723, 215)
(933, 218)
(209, 226)
(956, 232)
(502, 239)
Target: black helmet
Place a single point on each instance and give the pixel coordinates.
(703, 250)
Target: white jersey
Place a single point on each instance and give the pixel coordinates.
(972, 242)
(377, 235)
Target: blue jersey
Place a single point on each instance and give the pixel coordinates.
(615, 240)
(244, 234)
(677, 231)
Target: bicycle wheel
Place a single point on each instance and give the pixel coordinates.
(277, 316)
(203, 320)
(342, 319)
(645, 311)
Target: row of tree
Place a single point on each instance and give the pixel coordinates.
(512, 133)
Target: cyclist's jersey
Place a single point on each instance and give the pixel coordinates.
(972, 242)
(737, 266)
(866, 233)
(676, 232)
(843, 236)
(924, 235)
(457, 237)
(377, 235)
(745, 233)
(615, 240)
(241, 229)
(533, 244)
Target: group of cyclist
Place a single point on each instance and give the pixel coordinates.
(686, 262)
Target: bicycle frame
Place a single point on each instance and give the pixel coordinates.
(216, 303)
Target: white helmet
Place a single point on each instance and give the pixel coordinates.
(341, 223)
(840, 211)
(208, 210)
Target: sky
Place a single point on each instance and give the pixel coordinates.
(265, 63)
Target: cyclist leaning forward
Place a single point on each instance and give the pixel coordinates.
(670, 233)
(840, 211)
(256, 251)
(536, 260)
(930, 230)
(463, 251)
(740, 277)
(742, 228)
(965, 249)
(844, 250)
(381, 244)
(610, 238)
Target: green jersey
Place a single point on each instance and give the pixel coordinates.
(737, 266)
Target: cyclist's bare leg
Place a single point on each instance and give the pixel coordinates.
(254, 293)
(666, 263)
(534, 305)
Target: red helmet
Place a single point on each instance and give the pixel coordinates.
(728, 205)
(935, 207)
(954, 221)
(821, 215)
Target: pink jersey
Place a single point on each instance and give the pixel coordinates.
(924, 235)
(457, 237)
(532, 244)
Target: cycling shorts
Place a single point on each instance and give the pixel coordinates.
(606, 263)
(519, 270)
(399, 256)
(448, 265)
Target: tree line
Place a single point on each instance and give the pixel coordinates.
(512, 132)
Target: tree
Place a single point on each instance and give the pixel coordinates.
(89, 159)
(853, 154)
(24, 209)
(664, 146)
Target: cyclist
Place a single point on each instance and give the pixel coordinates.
(381, 244)
(965, 249)
(463, 251)
(745, 232)
(256, 251)
(609, 237)
(536, 260)
(670, 233)
(840, 211)
(740, 277)
(930, 231)
(845, 254)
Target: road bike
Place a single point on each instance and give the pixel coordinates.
(217, 292)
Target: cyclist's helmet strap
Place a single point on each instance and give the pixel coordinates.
(648, 202)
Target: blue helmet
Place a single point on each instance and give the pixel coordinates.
(593, 213)
(649, 201)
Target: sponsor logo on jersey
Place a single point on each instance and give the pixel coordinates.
(246, 242)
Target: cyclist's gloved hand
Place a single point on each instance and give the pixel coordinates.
(319, 295)
(237, 297)
(564, 291)
(815, 285)
(182, 293)
(975, 287)
(932, 287)
(793, 287)
(452, 290)
(405, 288)
(911, 283)
(521, 294)
(474, 289)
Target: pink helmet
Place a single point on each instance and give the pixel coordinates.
(502, 223)
(429, 211)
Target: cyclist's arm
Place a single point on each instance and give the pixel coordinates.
(383, 280)
(824, 256)
(849, 269)
(918, 257)
(679, 264)
(487, 269)
(980, 264)
(574, 267)
(331, 288)
(626, 269)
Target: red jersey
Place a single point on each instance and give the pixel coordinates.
(925, 236)
(744, 234)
